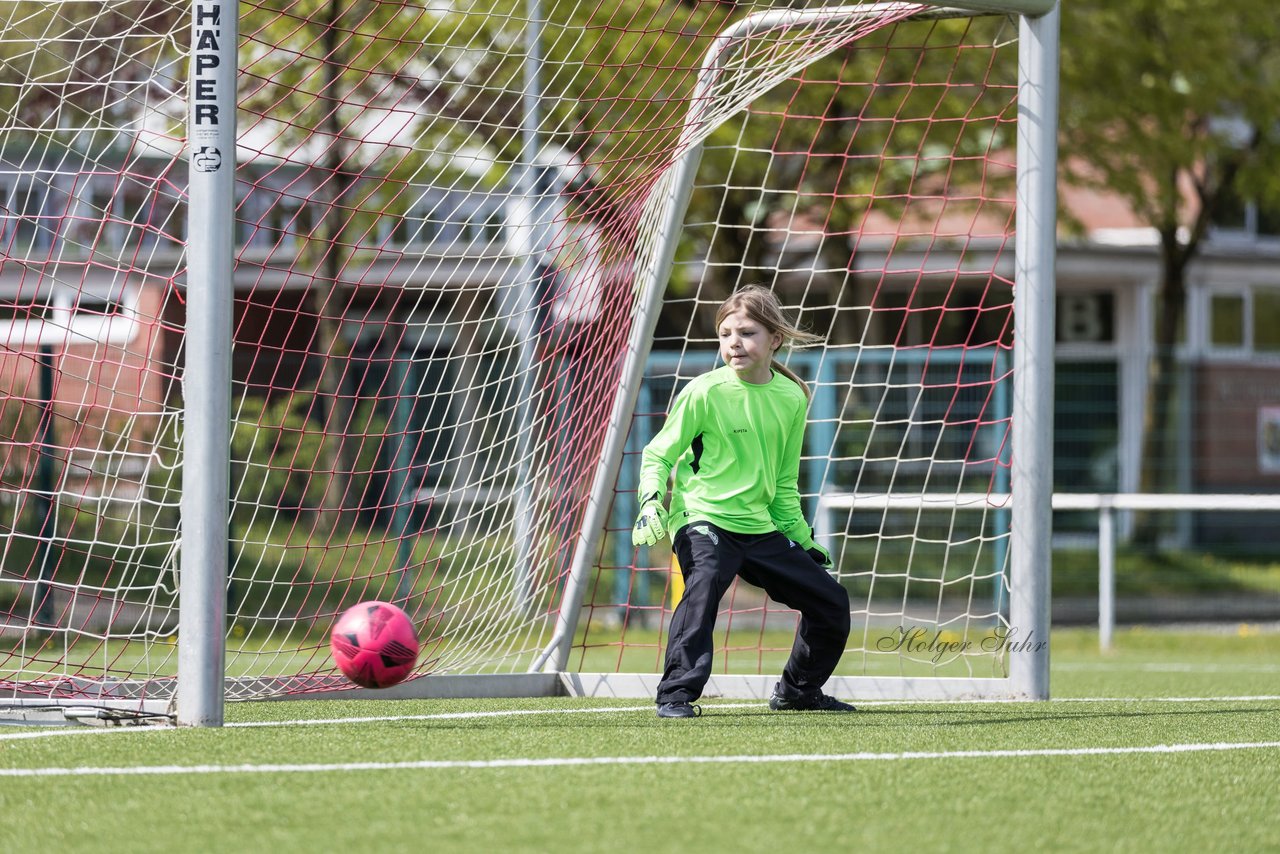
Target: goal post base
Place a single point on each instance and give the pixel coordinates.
(106, 712)
(643, 686)
(752, 687)
(447, 686)
(90, 712)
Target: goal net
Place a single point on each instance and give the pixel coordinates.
(477, 250)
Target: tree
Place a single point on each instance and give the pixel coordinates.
(814, 147)
(1174, 106)
(49, 88)
(316, 69)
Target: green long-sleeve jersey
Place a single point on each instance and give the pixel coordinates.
(735, 448)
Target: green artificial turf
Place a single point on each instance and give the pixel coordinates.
(737, 779)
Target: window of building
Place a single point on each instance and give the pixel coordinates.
(1086, 318)
(1244, 322)
(943, 317)
(1086, 435)
(1241, 218)
(20, 212)
(102, 306)
(279, 223)
(1268, 220)
(106, 315)
(1226, 320)
(1266, 320)
(22, 307)
(92, 214)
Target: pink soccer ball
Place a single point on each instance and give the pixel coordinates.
(374, 644)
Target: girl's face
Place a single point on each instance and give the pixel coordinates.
(747, 347)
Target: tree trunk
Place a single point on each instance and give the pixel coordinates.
(1158, 463)
(331, 295)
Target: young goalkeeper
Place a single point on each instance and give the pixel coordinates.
(733, 438)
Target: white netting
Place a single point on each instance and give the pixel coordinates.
(439, 246)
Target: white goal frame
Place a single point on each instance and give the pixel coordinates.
(201, 683)
(1032, 416)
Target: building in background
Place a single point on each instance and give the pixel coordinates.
(113, 329)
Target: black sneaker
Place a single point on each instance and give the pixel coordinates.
(815, 701)
(679, 710)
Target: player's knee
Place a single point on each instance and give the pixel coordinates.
(838, 596)
(840, 610)
(704, 585)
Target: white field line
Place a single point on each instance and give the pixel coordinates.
(55, 731)
(590, 761)
(378, 719)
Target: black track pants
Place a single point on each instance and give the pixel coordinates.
(710, 558)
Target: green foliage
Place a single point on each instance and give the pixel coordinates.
(275, 446)
(108, 539)
(19, 420)
(610, 91)
(843, 112)
(901, 126)
(1160, 96)
(1140, 572)
(47, 85)
(287, 569)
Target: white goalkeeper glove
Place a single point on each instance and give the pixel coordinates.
(651, 524)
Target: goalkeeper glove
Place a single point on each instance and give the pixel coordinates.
(802, 535)
(820, 556)
(651, 524)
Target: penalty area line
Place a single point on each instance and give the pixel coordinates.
(594, 761)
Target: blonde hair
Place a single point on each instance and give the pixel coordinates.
(761, 305)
